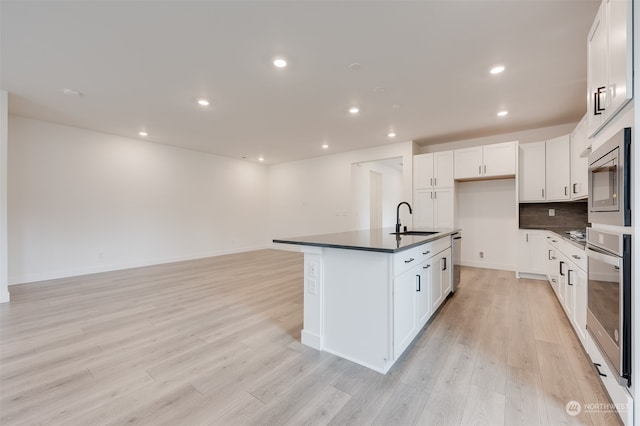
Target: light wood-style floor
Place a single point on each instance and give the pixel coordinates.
(216, 341)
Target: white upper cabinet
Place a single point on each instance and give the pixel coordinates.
(443, 169)
(499, 159)
(468, 163)
(532, 171)
(579, 165)
(545, 170)
(609, 63)
(485, 162)
(558, 168)
(433, 170)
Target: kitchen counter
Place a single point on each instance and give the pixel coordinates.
(378, 240)
(563, 232)
(368, 294)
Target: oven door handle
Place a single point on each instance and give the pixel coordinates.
(603, 257)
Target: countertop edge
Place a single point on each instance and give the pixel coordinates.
(422, 240)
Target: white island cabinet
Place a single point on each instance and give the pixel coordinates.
(368, 294)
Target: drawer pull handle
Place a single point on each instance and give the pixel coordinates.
(575, 256)
(426, 252)
(411, 259)
(418, 282)
(426, 267)
(598, 369)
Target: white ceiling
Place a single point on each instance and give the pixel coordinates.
(142, 65)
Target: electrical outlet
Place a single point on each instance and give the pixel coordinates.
(311, 286)
(313, 269)
(481, 255)
(552, 212)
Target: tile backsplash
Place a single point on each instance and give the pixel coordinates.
(569, 215)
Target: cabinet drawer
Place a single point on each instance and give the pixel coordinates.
(439, 245)
(574, 254)
(424, 252)
(406, 260)
(617, 393)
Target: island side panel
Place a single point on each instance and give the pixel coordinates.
(312, 331)
(357, 307)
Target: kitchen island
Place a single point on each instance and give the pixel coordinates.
(368, 294)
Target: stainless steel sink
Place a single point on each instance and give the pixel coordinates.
(422, 233)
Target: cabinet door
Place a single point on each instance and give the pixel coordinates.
(443, 169)
(596, 71)
(562, 277)
(579, 281)
(579, 165)
(532, 252)
(569, 292)
(423, 296)
(404, 310)
(532, 171)
(499, 159)
(423, 171)
(423, 206)
(552, 267)
(558, 169)
(443, 208)
(446, 270)
(467, 163)
(436, 283)
(620, 76)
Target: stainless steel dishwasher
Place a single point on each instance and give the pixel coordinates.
(456, 247)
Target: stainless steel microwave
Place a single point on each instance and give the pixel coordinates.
(610, 181)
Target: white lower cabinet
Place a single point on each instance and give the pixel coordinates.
(567, 274)
(446, 276)
(532, 256)
(418, 291)
(578, 282)
(404, 310)
(423, 301)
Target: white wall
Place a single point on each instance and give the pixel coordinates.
(314, 196)
(4, 280)
(525, 136)
(83, 202)
(487, 215)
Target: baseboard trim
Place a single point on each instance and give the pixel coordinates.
(54, 275)
(488, 265)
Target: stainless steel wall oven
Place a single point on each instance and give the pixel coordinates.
(609, 298)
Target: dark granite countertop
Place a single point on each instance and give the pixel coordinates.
(562, 232)
(378, 240)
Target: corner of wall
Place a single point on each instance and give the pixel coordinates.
(4, 273)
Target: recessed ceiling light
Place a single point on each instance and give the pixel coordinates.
(143, 133)
(503, 113)
(71, 92)
(261, 159)
(395, 106)
(325, 145)
(497, 69)
(391, 134)
(355, 66)
(354, 110)
(203, 102)
(379, 89)
(279, 63)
